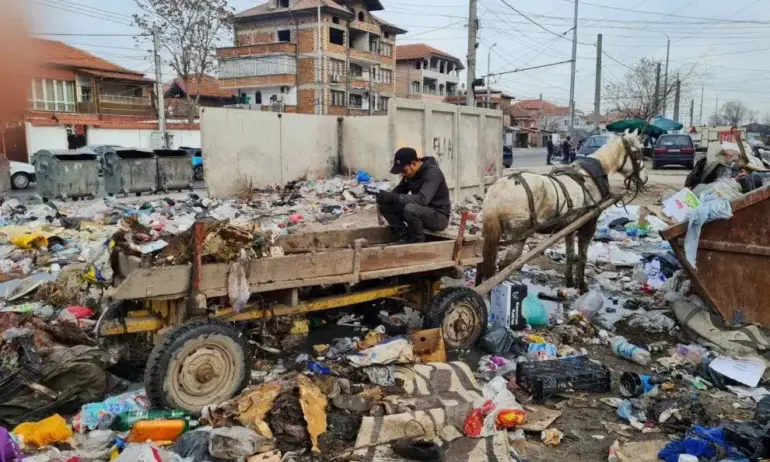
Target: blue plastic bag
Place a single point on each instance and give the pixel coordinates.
(363, 177)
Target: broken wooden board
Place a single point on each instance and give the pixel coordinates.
(538, 418)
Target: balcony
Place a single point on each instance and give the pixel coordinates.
(361, 25)
(121, 99)
(257, 66)
(256, 50)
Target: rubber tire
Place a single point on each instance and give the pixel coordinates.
(198, 173)
(20, 175)
(442, 303)
(173, 341)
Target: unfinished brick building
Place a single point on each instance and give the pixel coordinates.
(312, 57)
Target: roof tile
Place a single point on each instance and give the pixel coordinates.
(51, 52)
(421, 50)
(209, 87)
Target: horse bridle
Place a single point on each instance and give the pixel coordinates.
(635, 176)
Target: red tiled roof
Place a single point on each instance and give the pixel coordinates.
(388, 25)
(421, 50)
(92, 120)
(543, 106)
(51, 52)
(117, 75)
(209, 87)
(263, 9)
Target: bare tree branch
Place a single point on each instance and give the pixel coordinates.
(188, 31)
(733, 112)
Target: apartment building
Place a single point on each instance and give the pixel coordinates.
(426, 73)
(312, 57)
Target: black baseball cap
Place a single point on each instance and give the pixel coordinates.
(403, 157)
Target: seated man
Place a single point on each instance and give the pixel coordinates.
(421, 199)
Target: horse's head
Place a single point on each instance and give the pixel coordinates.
(631, 164)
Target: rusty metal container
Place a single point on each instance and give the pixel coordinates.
(175, 170)
(66, 174)
(733, 260)
(130, 171)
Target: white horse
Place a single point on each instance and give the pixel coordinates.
(517, 206)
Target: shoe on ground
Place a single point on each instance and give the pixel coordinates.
(418, 449)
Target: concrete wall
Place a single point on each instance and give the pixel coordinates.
(45, 138)
(466, 142)
(365, 146)
(265, 148)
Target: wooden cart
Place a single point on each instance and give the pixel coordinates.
(203, 358)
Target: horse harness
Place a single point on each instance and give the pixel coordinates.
(594, 169)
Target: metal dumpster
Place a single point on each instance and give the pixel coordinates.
(130, 171)
(66, 174)
(174, 169)
(732, 258)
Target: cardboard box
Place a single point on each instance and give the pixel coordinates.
(429, 345)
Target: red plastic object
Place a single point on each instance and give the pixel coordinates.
(80, 312)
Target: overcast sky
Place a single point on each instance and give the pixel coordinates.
(727, 43)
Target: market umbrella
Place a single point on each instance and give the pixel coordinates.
(645, 128)
(666, 124)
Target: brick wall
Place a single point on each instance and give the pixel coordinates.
(250, 50)
(306, 101)
(306, 68)
(281, 79)
(255, 38)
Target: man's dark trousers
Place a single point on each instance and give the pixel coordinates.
(410, 221)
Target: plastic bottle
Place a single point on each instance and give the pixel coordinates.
(589, 304)
(126, 420)
(622, 348)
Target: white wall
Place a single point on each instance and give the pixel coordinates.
(365, 146)
(265, 148)
(45, 138)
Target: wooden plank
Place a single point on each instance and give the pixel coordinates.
(172, 281)
(335, 239)
(414, 269)
(403, 256)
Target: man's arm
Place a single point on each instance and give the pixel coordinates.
(401, 188)
(427, 191)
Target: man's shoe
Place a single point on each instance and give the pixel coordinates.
(417, 449)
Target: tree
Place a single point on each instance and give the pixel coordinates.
(733, 112)
(634, 95)
(716, 119)
(188, 31)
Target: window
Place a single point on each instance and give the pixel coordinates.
(258, 97)
(336, 36)
(337, 68)
(373, 46)
(387, 35)
(283, 3)
(415, 87)
(441, 90)
(335, 20)
(284, 35)
(361, 16)
(356, 101)
(418, 64)
(53, 95)
(85, 93)
(382, 104)
(356, 70)
(386, 49)
(338, 98)
(386, 76)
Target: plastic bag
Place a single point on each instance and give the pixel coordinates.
(194, 445)
(92, 414)
(147, 452)
(238, 286)
(46, 432)
(234, 442)
(534, 311)
(497, 341)
(30, 241)
(9, 450)
(711, 208)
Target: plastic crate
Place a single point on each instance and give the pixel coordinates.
(577, 373)
(29, 370)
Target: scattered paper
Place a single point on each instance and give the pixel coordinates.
(680, 205)
(747, 371)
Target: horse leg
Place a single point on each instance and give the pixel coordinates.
(569, 241)
(511, 253)
(585, 236)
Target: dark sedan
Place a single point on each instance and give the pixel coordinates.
(592, 144)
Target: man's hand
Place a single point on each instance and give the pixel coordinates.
(387, 197)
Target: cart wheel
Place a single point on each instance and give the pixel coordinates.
(198, 363)
(461, 313)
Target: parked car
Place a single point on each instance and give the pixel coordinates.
(673, 149)
(197, 161)
(507, 156)
(22, 174)
(592, 144)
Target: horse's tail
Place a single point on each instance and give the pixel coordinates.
(491, 231)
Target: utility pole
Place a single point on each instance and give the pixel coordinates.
(540, 117)
(371, 95)
(598, 89)
(657, 90)
(489, 71)
(692, 110)
(676, 99)
(470, 99)
(159, 88)
(319, 66)
(700, 116)
(665, 79)
(572, 73)
(716, 110)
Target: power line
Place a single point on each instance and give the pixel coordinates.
(84, 13)
(54, 34)
(538, 24)
(671, 15)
